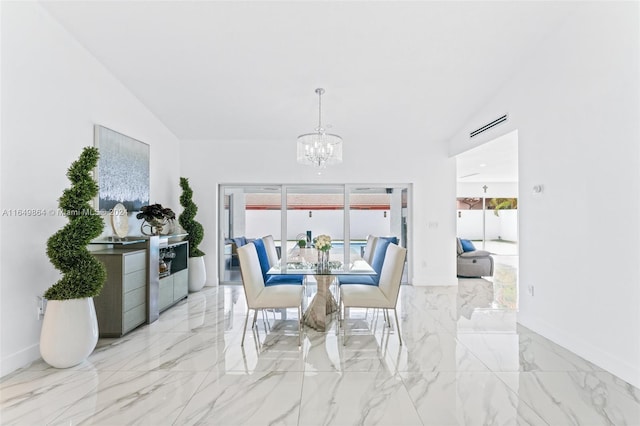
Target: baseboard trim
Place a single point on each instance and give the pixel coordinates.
(620, 368)
(19, 359)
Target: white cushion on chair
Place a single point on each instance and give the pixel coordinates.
(363, 296)
(279, 296)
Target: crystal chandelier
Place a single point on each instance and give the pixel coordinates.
(319, 149)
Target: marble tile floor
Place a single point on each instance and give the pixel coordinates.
(464, 361)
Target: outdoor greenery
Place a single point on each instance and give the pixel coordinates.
(497, 204)
(503, 203)
(83, 275)
(187, 221)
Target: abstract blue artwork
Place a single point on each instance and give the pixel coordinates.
(123, 170)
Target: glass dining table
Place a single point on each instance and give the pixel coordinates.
(318, 313)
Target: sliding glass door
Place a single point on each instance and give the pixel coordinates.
(347, 213)
(313, 210)
(246, 212)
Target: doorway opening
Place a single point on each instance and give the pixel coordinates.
(487, 209)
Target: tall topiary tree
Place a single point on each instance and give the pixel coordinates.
(83, 275)
(186, 219)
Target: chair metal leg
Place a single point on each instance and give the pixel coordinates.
(395, 312)
(255, 318)
(265, 321)
(300, 326)
(244, 330)
(344, 329)
(339, 302)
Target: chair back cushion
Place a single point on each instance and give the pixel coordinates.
(272, 253)
(370, 248)
(263, 258)
(265, 265)
(391, 273)
(378, 256)
(240, 241)
(252, 278)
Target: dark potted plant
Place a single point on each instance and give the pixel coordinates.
(197, 271)
(70, 327)
(155, 218)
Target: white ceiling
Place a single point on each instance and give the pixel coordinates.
(248, 70)
(494, 161)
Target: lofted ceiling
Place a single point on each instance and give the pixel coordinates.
(213, 70)
(494, 161)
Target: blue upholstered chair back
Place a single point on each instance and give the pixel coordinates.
(377, 260)
(378, 256)
(269, 280)
(263, 258)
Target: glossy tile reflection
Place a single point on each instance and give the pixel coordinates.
(464, 360)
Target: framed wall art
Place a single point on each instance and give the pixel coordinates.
(123, 170)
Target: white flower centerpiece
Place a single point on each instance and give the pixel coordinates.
(323, 244)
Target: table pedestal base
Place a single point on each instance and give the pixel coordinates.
(323, 304)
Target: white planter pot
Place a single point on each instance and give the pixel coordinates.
(197, 273)
(69, 332)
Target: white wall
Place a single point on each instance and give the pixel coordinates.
(504, 227)
(53, 92)
(425, 164)
(576, 107)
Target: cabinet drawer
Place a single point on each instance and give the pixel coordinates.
(180, 284)
(133, 318)
(135, 262)
(134, 280)
(165, 296)
(134, 298)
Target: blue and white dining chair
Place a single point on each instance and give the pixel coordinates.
(374, 257)
(261, 297)
(268, 257)
(383, 296)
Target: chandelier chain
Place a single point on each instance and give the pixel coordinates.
(320, 92)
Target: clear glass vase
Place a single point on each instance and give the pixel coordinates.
(323, 260)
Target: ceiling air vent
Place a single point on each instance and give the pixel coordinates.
(488, 126)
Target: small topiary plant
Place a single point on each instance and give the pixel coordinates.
(186, 219)
(83, 275)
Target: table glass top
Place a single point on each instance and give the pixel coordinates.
(358, 267)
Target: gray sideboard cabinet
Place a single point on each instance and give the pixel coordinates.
(122, 303)
(174, 285)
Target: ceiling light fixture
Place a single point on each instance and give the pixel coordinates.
(319, 149)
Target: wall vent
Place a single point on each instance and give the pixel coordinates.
(488, 126)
